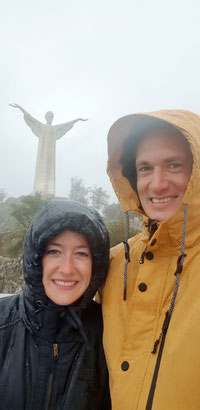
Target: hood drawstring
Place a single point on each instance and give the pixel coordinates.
(69, 313)
(77, 324)
(177, 274)
(127, 252)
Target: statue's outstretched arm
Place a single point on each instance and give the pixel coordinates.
(34, 124)
(61, 129)
(78, 119)
(20, 108)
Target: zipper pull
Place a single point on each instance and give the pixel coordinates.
(141, 261)
(55, 350)
(164, 330)
(154, 350)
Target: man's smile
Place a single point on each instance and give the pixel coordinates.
(163, 200)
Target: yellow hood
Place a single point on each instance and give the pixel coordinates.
(186, 122)
(131, 327)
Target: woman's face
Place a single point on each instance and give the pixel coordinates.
(67, 267)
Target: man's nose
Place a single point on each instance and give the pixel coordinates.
(159, 181)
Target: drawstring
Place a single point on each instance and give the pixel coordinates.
(177, 274)
(77, 324)
(70, 314)
(127, 252)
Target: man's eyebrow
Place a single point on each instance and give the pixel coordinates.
(141, 162)
(174, 158)
(168, 159)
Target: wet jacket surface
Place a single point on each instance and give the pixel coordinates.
(133, 326)
(51, 357)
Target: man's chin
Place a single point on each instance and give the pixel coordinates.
(165, 212)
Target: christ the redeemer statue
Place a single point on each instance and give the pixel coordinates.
(48, 134)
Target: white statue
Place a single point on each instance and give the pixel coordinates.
(48, 134)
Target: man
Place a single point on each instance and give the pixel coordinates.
(151, 301)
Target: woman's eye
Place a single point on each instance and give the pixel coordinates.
(52, 252)
(84, 254)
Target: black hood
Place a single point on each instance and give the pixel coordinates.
(53, 218)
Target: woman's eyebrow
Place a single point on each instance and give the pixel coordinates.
(59, 244)
(54, 243)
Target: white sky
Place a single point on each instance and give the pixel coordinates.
(91, 59)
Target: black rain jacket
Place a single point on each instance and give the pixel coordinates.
(51, 357)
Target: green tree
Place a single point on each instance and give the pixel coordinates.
(115, 221)
(23, 214)
(116, 231)
(98, 197)
(78, 191)
(112, 212)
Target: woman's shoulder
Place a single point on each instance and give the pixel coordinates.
(9, 310)
(93, 310)
(92, 317)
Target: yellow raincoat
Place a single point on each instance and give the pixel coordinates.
(131, 327)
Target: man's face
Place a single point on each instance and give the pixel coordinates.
(164, 165)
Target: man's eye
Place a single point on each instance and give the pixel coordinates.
(175, 165)
(144, 168)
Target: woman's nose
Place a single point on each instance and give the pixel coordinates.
(67, 264)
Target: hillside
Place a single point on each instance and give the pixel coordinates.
(6, 221)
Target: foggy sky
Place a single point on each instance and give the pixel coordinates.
(90, 59)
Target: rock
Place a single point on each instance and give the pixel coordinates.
(11, 275)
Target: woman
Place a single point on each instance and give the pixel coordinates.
(51, 354)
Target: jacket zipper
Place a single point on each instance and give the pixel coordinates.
(55, 356)
(157, 366)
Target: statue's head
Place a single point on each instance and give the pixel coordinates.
(49, 117)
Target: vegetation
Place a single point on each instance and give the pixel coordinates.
(3, 195)
(18, 214)
(78, 191)
(115, 222)
(22, 213)
(99, 198)
(94, 196)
